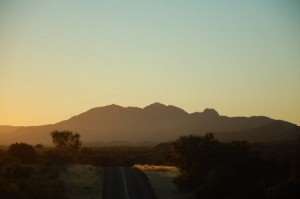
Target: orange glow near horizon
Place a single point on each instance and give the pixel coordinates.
(58, 61)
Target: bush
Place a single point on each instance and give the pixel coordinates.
(219, 170)
(23, 152)
(18, 181)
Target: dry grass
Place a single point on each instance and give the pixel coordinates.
(157, 168)
(83, 182)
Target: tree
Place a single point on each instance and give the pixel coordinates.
(24, 152)
(66, 140)
(217, 169)
(195, 156)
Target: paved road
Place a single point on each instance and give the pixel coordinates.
(126, 183)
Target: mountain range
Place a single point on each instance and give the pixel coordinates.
(154, 123)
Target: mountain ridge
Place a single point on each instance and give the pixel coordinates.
(154, 123)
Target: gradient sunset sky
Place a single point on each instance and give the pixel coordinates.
(59, 58)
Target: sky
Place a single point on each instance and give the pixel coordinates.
(59, 58)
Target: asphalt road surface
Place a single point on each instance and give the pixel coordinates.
(126, 183)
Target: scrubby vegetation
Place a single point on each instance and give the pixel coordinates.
(28, 172)
(214, 169)
(83, 181)
(25, 177)
(38, 172)
(116, 156)
(205, 167)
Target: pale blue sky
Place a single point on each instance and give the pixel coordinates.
(59, 58)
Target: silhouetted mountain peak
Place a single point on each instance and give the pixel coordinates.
(156, 105)
(95, 112)
(108, 108)
(209, 112)
(162, 108)
(113, 106)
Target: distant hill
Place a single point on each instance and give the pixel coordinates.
(154, 123)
